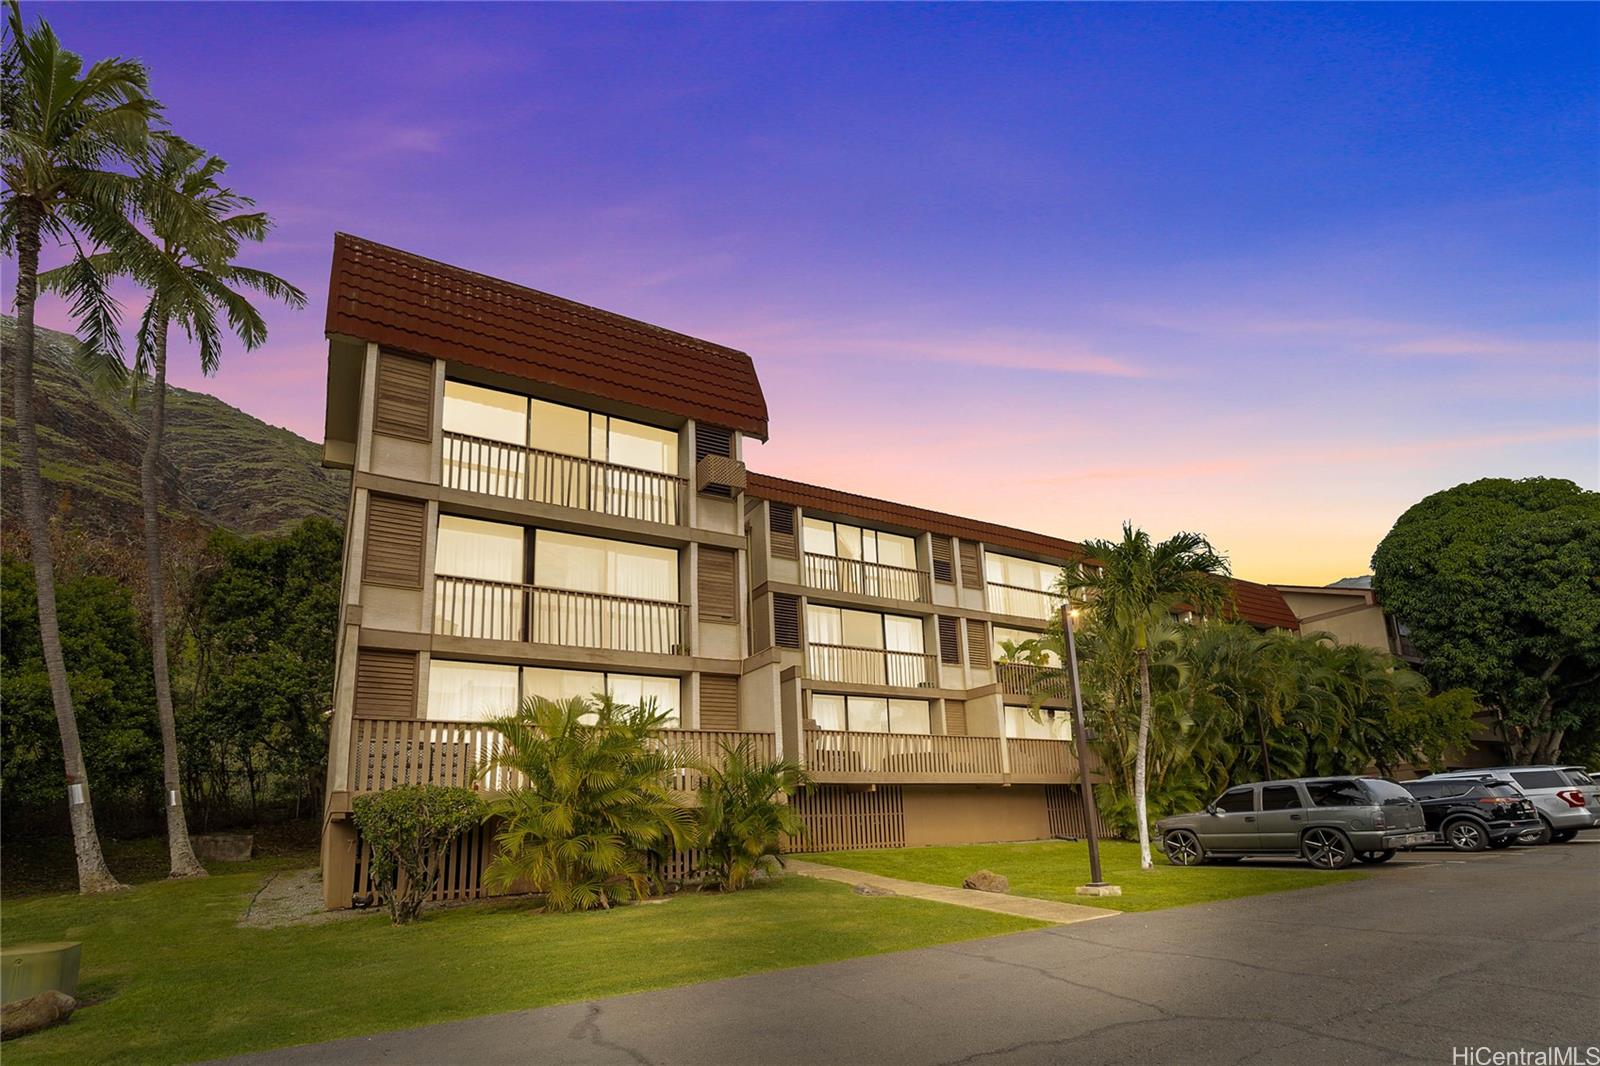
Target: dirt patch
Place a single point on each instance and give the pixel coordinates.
(292, 897)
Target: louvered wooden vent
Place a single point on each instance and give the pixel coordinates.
(719, 702)
(943, 561)
(780, 522)
(785, 620)
(404, 404)
(977, 642)
(949, 641)
(719, 600)
(955, 718)
(714, 441)
(396, 532)
(386, 684)
(971, 566)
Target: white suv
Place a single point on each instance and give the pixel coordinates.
(1566, 798)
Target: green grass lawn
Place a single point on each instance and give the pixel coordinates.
(1053, 869)
(171, 977)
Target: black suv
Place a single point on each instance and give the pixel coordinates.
(1471, 814)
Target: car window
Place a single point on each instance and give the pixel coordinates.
(1386, 792)
(1237, 800)
(1454, 788)
(1578, 777)
(1539, 778)
(1280, 798)
(1336, 794)
(1423, 790)
(1494, 789)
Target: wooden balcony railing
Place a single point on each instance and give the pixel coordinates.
(1026, 679)
(1042, 761)
(871, 666)
(1022, 602)
(870, 757)
(385, 753)
(833, 574)
(496, 468)
(498, 610)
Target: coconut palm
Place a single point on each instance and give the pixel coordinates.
(745, 814)
(197, 226)
(593, 802)
(1137, 584)
(61, 130)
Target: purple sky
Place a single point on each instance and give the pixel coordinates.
(1269, 272)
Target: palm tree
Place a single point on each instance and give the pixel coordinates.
(197, 225)
(1136, 584)
(593, 802)
(745, 814)
(61, 127)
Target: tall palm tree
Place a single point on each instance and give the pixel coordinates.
(61, 129)
(197, 226)
(1137, 584)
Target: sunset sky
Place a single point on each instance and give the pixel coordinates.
(1272, 273)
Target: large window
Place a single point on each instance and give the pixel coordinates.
(478, 591)
(870, 714)
(865, 647)
(1050, 725)
(630, 689)
(854, 559)
(473, 692)
(611, 567)
(1020, 586)
(1001, 635)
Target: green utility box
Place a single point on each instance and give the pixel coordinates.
(28, 969)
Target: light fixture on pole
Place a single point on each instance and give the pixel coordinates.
(1097, 885)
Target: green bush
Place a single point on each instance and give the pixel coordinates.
(408, 827)
(744, 815)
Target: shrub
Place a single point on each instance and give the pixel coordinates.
(595, 801)
(407, 828)
(744, 816)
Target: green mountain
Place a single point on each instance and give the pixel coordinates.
(223, 467)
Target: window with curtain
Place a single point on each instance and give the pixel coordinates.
(870, 714)
(632, 689)
(485, 433)
(838, 540)
(478, 588)
(1053, 725)
(612, 567)
(488, 413)
(1001, 634)
(857, 646)
(1020, 586)
(470, 692)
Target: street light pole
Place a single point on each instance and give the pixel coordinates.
(1097, 885)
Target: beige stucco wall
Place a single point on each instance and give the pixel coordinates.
(971, 814)
(1365, 625)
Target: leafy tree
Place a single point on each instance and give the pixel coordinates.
(408, 827)
(110, 680)
(61, 129)
(1498, 582)
(744, 815)
(1136, 585)
(594, 801)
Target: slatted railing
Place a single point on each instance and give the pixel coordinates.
(871, 666)
(386, 752)
(1026, 679)
(498, 610)
(832, 755)
(496, 468)
(1021, 602)
(833, 574)
(1038, 760)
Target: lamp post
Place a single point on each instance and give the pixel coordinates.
(1097, 885)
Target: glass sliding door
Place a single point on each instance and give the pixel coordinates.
(603, 463)
(470, 692)
(485, 440)
(478, 582)
(605, 594)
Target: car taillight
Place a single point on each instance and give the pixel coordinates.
(1378, 822)
(1497, 801)
(1571, 797)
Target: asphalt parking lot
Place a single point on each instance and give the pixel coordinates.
(1436, 951)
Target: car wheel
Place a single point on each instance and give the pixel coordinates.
(1561, 836)
(1373, 858)
(1541, 836)
(1503, 842)
(1464, 834)
(1183, 848)
(1327, 849)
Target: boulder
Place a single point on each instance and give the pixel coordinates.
(34, 1013)
(987, 881)
(224, 847)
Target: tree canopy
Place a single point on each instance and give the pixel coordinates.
(1498, 582)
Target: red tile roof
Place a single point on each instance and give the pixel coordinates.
(1261, 605)
(782, 490)
(399, 300)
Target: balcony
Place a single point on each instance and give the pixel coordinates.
(495, 468)
(1024, 679)
(834, 574)
(1021, 602)
(851, 665)
(866, 758)
(387, 752)
(498, 610)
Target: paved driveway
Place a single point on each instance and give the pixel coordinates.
(1497, 950)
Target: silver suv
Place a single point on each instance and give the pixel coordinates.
(1329, 821)
(1566, 798)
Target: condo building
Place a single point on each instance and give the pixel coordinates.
(550, 499)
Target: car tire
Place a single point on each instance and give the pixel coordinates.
(1465, 834)
(1561, 836)
(1374, 858)
(1183, 848)
(1503, 842)
(1544, 834)
(1327, 849)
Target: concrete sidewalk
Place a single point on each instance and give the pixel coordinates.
(1043, 910)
